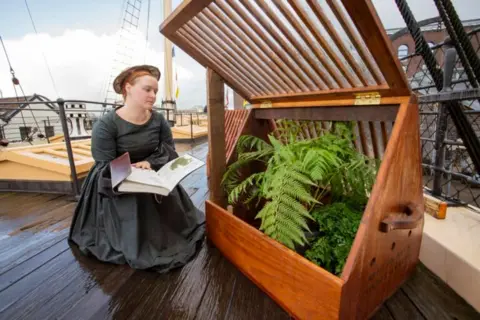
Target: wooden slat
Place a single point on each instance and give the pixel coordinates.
(363, 113)
(190, 48)
(216, 137)
(339, 43)
(194, 34)
(369, 26)
(349, 30)
(241, 29)
(182, 14)
(283, 60)
(232, 32)
(325, 81)
(235, 54)
(373, 135)
(284, 50)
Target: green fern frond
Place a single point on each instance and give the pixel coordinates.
(248, 142)
(297, 172)
(244, 186)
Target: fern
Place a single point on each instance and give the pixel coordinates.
(298, 174)
(338, 224)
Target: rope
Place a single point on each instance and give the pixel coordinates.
(44, 57)
(456, 43)
(421, 46)
(462, 37)
(21, 88)
(146, 38)
(461, 122)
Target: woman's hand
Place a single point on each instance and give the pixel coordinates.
(143, 165)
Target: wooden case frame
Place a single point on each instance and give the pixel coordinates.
(387, 244)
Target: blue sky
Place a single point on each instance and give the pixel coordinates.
(77, 36)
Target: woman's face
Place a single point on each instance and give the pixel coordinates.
(143, 92)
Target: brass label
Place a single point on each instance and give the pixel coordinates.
(368, 98)
(266, 104)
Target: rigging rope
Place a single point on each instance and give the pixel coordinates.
(456, 43)
(15, 82)
(43, 53)
(462, 37)
(461, 122)
(146, 39)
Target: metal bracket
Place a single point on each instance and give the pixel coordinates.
(368, 98)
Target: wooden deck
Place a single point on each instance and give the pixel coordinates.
(43, 277)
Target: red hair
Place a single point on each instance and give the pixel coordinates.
(131, 79)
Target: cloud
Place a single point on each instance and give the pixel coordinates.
(81, 63)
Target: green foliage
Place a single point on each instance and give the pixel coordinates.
(338, 224)
(299, 173)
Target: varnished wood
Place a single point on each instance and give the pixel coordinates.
(358, 113)
(268, 263)
(182, 14)
(344, 99)
(368, 24)
(216, 137)
(379, 262)
(293, 59)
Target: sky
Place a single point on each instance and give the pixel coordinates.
(77, 40)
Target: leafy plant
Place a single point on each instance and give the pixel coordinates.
(338, 224)
(298, 175)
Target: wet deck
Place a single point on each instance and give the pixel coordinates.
(43, 277)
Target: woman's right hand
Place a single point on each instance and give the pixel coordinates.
(143, 165)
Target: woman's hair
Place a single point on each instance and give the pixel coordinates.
(131, 79)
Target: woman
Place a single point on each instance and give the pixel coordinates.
(139, 229)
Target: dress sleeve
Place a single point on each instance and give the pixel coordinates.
(166, 147)
(103, 143)
(166, 132)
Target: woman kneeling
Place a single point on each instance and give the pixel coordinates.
(138, 229)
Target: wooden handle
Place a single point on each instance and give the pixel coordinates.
(408, 218)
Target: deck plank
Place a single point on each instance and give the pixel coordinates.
(20, 289)
(217, 296)
(435, 299)
(88, 273)
(401, 307)
(16, 274)
(249, 302)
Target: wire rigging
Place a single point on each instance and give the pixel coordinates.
(16, 82)
(146, 38)
(43, 53)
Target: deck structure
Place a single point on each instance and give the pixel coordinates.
(43, 277)
(43, 168)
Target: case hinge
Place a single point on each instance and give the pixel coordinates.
(368, 98)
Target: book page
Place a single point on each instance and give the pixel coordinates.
(145, 176)
(174, 171)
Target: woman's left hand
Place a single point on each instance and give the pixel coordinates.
(143, 165)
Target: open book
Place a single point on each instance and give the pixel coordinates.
(127, 178)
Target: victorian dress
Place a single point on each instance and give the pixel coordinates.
(141, 229)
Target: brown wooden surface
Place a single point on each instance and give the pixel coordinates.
(268, 263)
(359, 113)
(216, 136)
(42, 277)
(379, 262)
(305, 65)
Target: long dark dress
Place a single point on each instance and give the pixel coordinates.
(135, 228)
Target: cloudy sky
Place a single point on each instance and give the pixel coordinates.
(78, 39)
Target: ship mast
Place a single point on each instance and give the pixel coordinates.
(168, 101)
